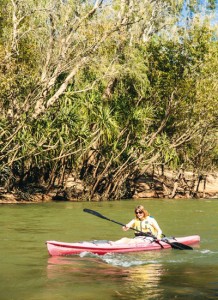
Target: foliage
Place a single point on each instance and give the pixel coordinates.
(102, 90)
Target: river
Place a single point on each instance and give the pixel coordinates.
(29, 273)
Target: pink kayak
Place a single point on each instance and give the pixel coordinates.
(131, 245)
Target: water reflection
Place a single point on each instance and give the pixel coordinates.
(143, 282)
(136, 282)
(80, 267)
(158, 275)
(86, 278)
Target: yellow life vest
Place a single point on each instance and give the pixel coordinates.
(145, 226)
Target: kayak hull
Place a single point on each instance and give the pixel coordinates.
(56, 248)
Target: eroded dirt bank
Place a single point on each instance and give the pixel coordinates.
(169, 186)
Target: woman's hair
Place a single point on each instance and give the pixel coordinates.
(141, 208)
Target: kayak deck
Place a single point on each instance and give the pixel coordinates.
(56, 248)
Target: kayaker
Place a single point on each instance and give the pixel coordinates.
(144, 223)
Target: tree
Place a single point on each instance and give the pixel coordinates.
(103, 90)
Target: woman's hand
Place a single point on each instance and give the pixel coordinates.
(125, 228)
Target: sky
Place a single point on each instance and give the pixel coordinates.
(203, 9)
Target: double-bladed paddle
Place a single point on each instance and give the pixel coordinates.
(174, 245)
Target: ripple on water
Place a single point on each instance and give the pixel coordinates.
(143, 258)
(121, 260)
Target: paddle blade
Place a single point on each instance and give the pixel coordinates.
(179, 246)
(95, 213)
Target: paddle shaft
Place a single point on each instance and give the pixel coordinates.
(174, 245)
(97, 214)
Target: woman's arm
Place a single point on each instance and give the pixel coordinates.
(127, 226)
(157, 227)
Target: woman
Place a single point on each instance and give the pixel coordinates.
(144, 222)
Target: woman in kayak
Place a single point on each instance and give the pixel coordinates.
(142, 223)
(145, 223)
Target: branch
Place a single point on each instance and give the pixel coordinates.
(40, 107)
(165, 119)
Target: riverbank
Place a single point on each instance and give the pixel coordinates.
(171, 185)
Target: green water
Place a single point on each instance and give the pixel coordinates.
(27, 272)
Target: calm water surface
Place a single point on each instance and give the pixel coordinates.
(29, 273)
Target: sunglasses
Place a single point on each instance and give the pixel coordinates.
(139, 212)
